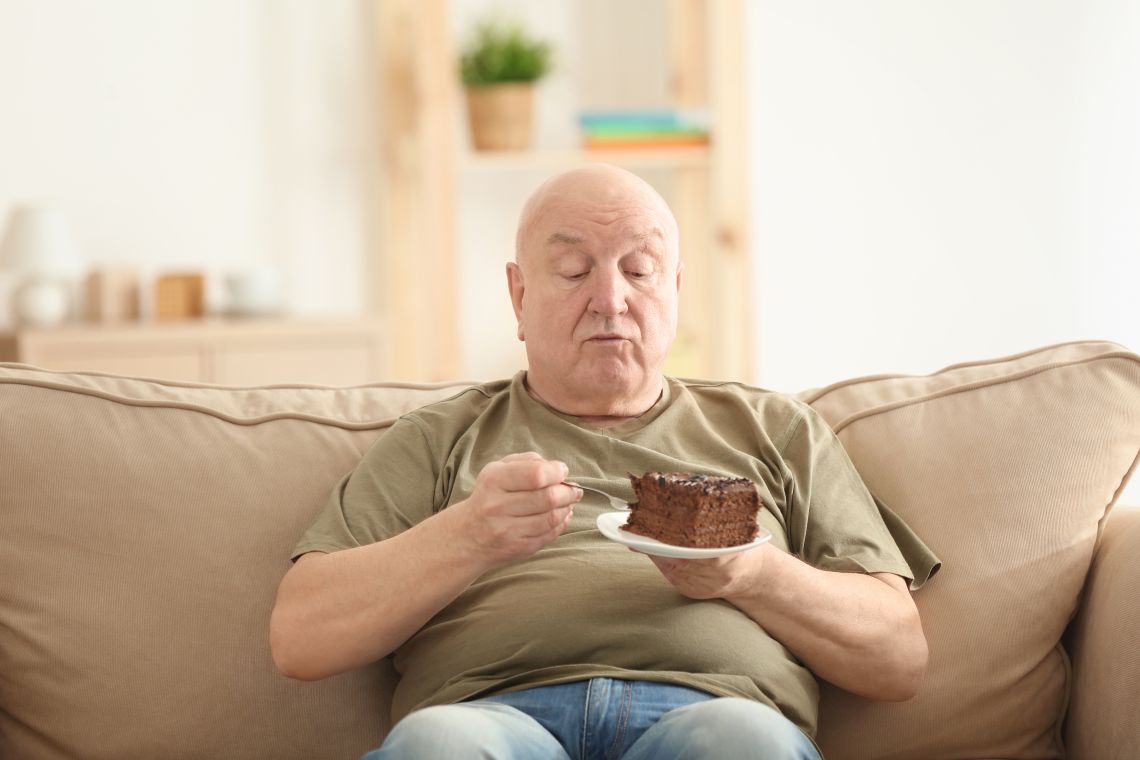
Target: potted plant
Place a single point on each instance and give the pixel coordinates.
(499, 68)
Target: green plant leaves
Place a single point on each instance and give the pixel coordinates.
(503, 52)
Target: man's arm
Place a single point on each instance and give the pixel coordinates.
(859, 632)
(338, 611)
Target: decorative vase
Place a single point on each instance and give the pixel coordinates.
(501, 115)
(42, 301)
(38, 249)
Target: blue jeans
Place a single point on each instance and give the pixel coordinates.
(598, 719)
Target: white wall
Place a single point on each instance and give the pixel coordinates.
(941, 181)
(197, 134)
(932, 181)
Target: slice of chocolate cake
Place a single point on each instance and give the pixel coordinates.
(700, 511)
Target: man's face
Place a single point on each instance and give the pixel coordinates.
(595, 293)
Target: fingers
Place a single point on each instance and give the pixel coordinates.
(523, 536)
(524, 472)
(519, 504)
(532, 521)
(711, 577)
(552, 522)
(521, 457)
(543, 502)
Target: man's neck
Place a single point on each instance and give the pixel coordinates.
(601, 420)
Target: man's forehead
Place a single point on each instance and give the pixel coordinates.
(599, 206)
(565, 237)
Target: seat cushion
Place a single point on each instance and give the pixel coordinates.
(145, 527)
(1006, 468)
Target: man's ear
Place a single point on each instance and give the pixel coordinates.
(516, 287)
(680, 268)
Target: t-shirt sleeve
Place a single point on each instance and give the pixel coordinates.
(391, 489)
(833, 521)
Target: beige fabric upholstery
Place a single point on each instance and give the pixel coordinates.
(1005, 468)
(145, 529)
(1105, 647)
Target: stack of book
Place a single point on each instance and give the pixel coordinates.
(682, 128)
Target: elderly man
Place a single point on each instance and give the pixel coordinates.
(461, 547)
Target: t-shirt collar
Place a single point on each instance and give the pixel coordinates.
(524, 396)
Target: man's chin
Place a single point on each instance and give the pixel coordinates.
(613, 384)
(615, 373)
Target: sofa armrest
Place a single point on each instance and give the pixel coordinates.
(1103, 642)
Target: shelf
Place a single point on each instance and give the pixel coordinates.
(640, 158)
(695, 51)
(227, 351)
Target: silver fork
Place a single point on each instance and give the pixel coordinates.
(615, 502)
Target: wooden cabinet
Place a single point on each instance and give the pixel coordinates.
(428, 175)
(229, 352)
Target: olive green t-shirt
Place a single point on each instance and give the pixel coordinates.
(584, 606)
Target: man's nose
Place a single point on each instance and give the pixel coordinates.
(609, 293)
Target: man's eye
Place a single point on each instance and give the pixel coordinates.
(575, 275)
(637, 275)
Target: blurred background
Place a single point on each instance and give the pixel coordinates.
(286, 190)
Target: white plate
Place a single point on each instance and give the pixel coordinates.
(609, 523)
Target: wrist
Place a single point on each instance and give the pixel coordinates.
(757, 580)
(454, 533)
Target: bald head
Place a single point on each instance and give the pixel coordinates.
(595, 289)
(599, 185)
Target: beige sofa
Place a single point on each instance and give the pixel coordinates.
(145, 526)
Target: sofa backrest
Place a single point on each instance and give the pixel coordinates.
(146, 526)
(1007, 469)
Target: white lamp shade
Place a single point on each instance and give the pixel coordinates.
(38, 240)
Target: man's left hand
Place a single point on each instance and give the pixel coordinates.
(713, 577)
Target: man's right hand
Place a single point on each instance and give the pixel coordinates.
(337, 611)
(519, 504)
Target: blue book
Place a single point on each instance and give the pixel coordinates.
(687, 120)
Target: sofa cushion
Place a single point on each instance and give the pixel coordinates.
(1006, 468)
(145, 527)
